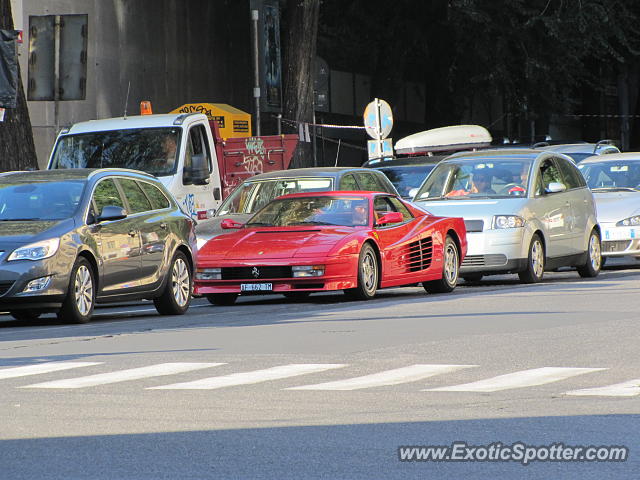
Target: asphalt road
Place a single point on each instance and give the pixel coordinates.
(277, 389)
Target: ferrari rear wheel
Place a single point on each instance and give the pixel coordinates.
(222, 299)
(450, 270)
(367, 275)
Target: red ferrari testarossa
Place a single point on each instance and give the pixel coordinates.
(352, 241)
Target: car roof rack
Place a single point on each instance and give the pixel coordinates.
(602, 142)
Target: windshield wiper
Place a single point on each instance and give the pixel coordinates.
(259, 224)
(312, 223)
(614, 189)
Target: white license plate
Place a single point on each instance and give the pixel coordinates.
(256, 287)
(620, 233)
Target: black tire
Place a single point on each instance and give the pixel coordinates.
(592, 266)
(535, 262)
(450, 269)
(368, 274)
(77, 306)
(178, 286)
(222, 299)
(296, 295)
(472, 277)
(25, 315)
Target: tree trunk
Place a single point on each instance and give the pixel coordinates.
(17, 150)
(300, 52)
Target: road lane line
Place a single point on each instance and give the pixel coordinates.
(256, 376)
(124, 375)
(39, 368)
(624, 389)
(521, 379)
(397, 376)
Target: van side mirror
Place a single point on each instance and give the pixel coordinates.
(111, 212)
(198, 173)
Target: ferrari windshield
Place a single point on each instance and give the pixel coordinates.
(39, 200)
(152, 150)
(287, 212)
(612, 175)
(484, 177)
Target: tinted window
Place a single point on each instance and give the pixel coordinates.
(106, 193)
(348, 182)
(401, 207)
(158, 199)
(385, 184)
(136, 199)
(406, 178)
(368, 182)
(572, 177)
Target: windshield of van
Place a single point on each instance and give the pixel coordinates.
(485, 178)
(152, 150)
(608, 175)
(252, 196)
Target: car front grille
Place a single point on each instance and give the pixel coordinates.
(256, 273)
(5, 286)
(615, 246)
(474, 225)
(419, 254)
(494, 260)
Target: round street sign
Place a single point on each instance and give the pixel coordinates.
(378, 119)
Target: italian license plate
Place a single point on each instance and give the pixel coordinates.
(620, 234)
(256, 287)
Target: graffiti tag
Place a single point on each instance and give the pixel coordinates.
(189, 203)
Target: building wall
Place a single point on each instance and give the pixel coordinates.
(170, 52)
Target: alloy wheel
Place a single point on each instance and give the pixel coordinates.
(180, 282)
(83, 290)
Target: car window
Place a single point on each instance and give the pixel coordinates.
(402, 208)
(382, 205)
(155, 195)
(547, 174)
(196, 145)
(385, 185)
(348, 182)
(572, 176)
(137, 200)
(106, 193)
(368, 182)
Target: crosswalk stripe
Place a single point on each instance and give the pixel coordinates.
(521, 379)
(397, 376)
(256, 376)
(124, 375)
(624, 389)
(39, 368)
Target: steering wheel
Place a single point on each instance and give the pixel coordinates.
(509, 188)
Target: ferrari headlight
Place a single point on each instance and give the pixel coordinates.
(308, 270)
(507, 221)
(629, 222)
(36, 251)
(209, 274)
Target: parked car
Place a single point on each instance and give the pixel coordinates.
(352, 241)
(406, 174)
(74, 238)
(579, 151)
(255, 192)
(526, 211)
(615, 183)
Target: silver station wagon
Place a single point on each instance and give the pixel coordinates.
(526, 211)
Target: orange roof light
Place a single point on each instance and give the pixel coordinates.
(145, 107)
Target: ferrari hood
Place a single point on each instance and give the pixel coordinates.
(616, 206)
(273, 243)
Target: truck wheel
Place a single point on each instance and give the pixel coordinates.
(77, 306)
(367, 275)
(176, 295)
(450, 268)
(222, 299)
(535, 262)
(592, 266)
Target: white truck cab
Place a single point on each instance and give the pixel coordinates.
(177, 148)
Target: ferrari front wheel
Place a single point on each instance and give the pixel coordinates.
(450, 269)
(367, 275)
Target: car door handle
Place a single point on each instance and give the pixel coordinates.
(163, 226)
(133, 233)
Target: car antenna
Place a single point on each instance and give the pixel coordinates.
(127, 100)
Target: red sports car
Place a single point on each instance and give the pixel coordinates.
(352, 241)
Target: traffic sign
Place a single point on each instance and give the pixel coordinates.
(378, 119)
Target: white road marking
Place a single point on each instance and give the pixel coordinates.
(247, 378)
(397, 376)
(521, 379)
(624, 389)
(124, 375)
(39, 368)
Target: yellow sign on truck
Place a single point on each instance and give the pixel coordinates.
(232, 122)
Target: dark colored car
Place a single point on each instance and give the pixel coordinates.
(406, 174)
(255, 192)
(74, 238)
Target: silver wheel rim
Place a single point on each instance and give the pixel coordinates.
(180, 282)
(537, 258)
(451, 264)
(369, 272)
(83, 290)
(594, 252)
